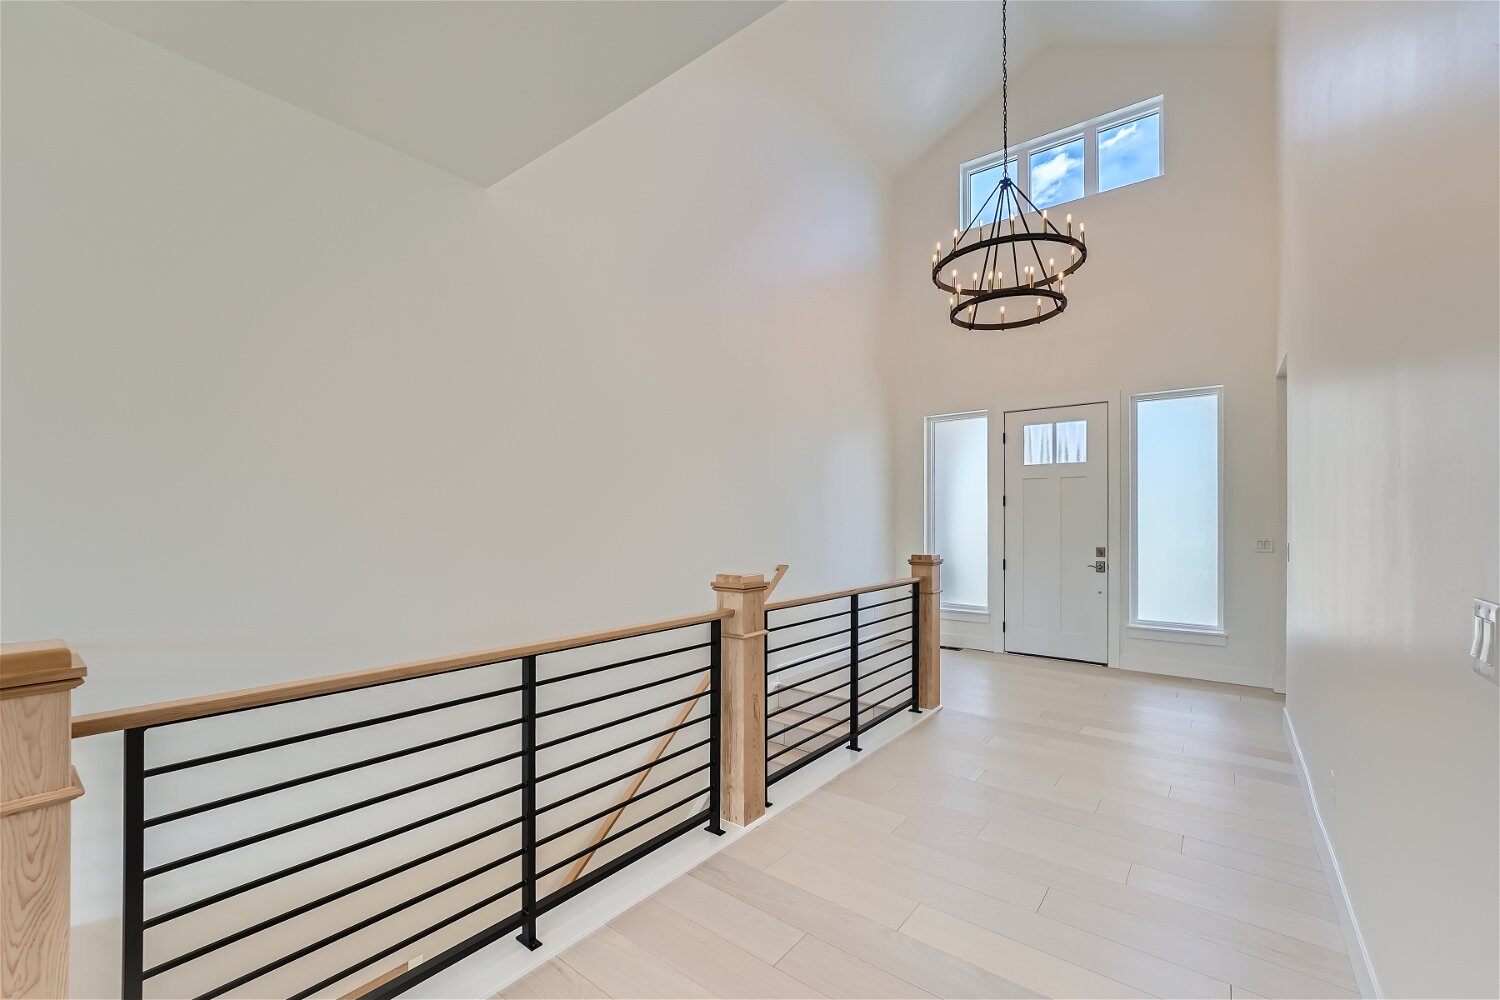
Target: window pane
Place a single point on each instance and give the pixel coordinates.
(981, 187)
(1036, 444)
(1073, 441)
(960, 501)
(1177, 510)
(1130, 152)
(1057, 174)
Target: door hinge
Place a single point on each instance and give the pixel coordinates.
(1002, 565)
(1002, 626)
(1002, 499)
(1002, 437)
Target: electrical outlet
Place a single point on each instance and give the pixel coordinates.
(1333, 788)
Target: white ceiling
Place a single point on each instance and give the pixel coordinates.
(481, 88)
(475, 88)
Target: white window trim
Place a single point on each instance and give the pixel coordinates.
(1216, 635)
(1088, 131)
(969, 612)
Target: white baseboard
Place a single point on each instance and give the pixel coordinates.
(1195, 669)
(490, 970)
(1354, 941)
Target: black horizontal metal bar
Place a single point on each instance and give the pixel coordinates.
(277, 831)
(814, 677)
(885, 635)
(619, 777)
(872, 723)
(811, 697)
(618, 806)
(806, 759)
(358, 925)
(887, 683)
(428, 968)
(621, 748)
(214, 758)
(807, 659)
(620, 721)
(887, 618)
(806, 739)
(621, 663)
(302, 908)
(886, 700)
(567, 892)
(281, 786)
(409, 940)
(804, 642)
(889, 649)
(866, 675)
(837, 706)
(609, 695)
(881, 604)
(805, 621)
(301, 866)
(620, 833)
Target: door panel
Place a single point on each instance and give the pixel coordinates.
(1056, 515)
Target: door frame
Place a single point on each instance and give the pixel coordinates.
(1113, 400)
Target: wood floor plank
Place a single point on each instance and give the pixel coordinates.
(861, 895)
(1048, 975)
(1282, 920)
(1186, 949)
(761, 934)
(1290, 829)
(855, 810)
(622, 968)
(1257, 864)
(553, 980)
(704, 957)
(838, 974)
(1188, 826)
(900, 955)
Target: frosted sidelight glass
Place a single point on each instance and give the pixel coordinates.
(960, 509)
(1177, 510)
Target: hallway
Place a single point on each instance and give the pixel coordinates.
(1058, 830)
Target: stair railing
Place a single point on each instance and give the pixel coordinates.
(511, 757)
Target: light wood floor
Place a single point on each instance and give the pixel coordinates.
(1056, 830)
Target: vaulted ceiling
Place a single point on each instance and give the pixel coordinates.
(479, 89)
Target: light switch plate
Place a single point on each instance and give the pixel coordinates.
(1265, 545)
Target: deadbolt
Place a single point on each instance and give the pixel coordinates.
(1098, 551)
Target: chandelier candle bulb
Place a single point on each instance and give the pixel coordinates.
(1070, 225)
(1039, 307)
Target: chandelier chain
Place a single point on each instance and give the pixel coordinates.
(1004, 95)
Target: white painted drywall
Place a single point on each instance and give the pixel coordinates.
(1389, 163)
(279, 401)
(1178, 291)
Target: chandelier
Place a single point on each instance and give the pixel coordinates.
(1033, 286)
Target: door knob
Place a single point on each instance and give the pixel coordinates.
(1097, 567)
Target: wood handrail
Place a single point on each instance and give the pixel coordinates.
(202, 706)
(815, 598)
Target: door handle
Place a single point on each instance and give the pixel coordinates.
(1097, 567)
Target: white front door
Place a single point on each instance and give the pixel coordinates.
(1056, 532)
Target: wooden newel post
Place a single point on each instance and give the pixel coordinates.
(927, 569)
(37, 785)
(742, 701)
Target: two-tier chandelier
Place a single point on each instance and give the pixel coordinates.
(1033, 245)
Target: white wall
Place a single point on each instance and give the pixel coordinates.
(1179, 291)
(279, 401)
(1389, 158)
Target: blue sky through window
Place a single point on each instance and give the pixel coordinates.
(981, 186)
(1130, 152)
(1057, 174)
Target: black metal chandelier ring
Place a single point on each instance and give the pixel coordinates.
(1058, 301)
(1027, 239)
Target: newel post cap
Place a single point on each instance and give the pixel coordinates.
(925, 560)
(739, 582)
(28, 666)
